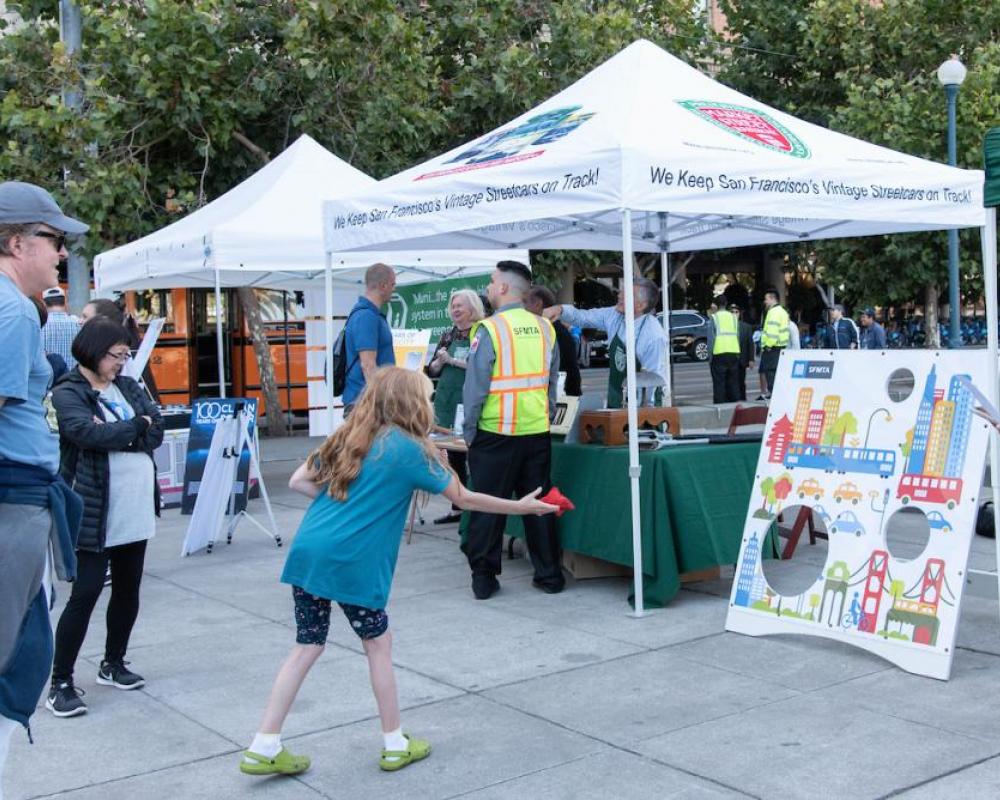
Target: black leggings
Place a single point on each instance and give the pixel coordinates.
(126, 574)
(458, 461)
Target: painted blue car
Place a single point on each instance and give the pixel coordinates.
(846, 522)
(937, 522)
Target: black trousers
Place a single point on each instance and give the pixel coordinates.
(725, 369)
(769, 365)
(502, 466)
(458, 461)
(126, 574)
(742, 373)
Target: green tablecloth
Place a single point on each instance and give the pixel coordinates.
(694, 503)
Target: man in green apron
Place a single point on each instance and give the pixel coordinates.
(651, 348)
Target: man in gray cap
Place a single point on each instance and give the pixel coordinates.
(36, 506)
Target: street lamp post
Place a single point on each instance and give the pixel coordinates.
(868, 431)
(951, 74)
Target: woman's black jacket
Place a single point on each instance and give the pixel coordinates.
(84, 444)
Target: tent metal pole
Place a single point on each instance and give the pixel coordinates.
(328, 322)
(668, 371)
(988, 237)
(219, 343)
(631, 394)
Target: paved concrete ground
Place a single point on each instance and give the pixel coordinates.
(526, 695)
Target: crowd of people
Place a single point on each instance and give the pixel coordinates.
(733, 345)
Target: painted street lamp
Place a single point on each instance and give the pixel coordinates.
(868, 432)
(951, 74)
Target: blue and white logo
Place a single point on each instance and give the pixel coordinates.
(812, 369)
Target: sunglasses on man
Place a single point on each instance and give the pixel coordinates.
(58, 239)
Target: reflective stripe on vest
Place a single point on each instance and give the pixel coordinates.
(726, 340)
(775, 333)
(518, 401)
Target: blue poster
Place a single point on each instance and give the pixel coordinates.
(205, 414)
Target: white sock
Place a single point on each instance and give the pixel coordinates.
(395, 741)
(265, 744)
(7, 728)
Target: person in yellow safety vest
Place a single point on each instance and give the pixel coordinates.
(509, 396)
(773, 339)
(724, 353)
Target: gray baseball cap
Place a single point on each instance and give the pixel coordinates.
(25, 203)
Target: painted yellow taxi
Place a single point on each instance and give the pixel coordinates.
(847, 492)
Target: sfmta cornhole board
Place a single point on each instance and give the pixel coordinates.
(840, 440)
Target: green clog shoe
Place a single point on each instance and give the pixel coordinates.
(282, 764)
(397, 759)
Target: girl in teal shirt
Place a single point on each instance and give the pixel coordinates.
(361, 481)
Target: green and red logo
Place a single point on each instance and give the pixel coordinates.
(749, 123)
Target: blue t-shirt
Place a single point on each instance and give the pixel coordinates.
(346, 551)
(24, 380)
(366, 330)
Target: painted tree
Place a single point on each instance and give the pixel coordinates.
(813, 605)
(845, 424)
(767, 490)
(907, 445)
(782, 488)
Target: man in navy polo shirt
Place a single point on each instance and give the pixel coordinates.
(367, 338)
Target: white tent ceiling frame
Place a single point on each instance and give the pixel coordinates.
(601, 167)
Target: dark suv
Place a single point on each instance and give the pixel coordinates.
(688, 334)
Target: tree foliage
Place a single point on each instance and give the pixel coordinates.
(869, 70)
(182, 99)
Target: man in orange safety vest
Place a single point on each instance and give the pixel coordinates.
(508, 399)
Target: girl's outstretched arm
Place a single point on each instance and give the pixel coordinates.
(476, 501)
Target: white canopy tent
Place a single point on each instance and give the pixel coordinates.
(647, 154)
(266, 232)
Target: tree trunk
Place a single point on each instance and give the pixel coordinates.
(566, 283)
(931, 317)
(268, 384)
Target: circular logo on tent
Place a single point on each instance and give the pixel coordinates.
(749, 123)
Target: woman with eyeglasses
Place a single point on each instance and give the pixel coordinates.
(108, 430)
(102, 307)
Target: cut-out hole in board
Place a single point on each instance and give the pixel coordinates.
(900, 384)
(803, 549)
(908, 530)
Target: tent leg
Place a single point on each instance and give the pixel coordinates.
(328, 320)
(668, 372)
(631, 395)
(988, 238)
(219, 343)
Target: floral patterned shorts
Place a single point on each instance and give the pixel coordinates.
(312, 618)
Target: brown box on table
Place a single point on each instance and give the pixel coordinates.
(609, 426)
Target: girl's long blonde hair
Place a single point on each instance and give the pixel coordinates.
(393, 396)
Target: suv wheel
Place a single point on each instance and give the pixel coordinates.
(699, 350)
